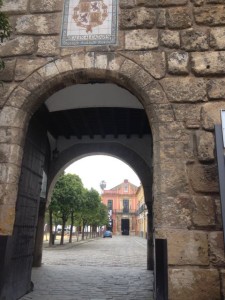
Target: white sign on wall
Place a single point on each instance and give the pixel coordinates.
(223, 125)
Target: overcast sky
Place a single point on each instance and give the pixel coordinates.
(93, 169)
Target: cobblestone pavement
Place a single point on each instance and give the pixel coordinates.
(96, 270)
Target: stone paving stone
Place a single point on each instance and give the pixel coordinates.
(101, 269)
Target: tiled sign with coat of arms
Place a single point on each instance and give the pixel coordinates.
(89, 22)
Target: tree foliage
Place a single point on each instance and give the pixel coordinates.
(5, 30)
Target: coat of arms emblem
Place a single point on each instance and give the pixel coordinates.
(90, 13)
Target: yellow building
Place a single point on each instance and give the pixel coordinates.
(141, 229)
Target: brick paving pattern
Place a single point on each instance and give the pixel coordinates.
(96, 270)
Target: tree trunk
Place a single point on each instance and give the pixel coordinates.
(83, 231)
(71, 228)
(62, 233)
(50, 229)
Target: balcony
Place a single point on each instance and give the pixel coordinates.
(124, 211)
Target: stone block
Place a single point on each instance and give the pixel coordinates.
(211, 114)
(153, 62)
(8, 194)
(216, 89)
(170, 178)
(185, 247)
(15, 7)
(141, 39)
(216, 249)
(21, 45)
(205, 146)
(172, 2)
(10, 154)
(210, 15)
(190, 114)
(203, 178)
(186, 89)
(5, 91)
(64, 65)
(193, 40)
(18, 97)
(7, 217)
(194, 283)
(208, 63)
(7, 74)
(161, 20)
(179, 18)
(217, 38)
(203, 211)
(46, 6)
(48, 71)
(24, 67)
(160, 113)
(48, 46)
(13, 117)
(140, 17)
(173, 212)
(39, 24)
(170, 39)
(12, 135)
(9, 173)
(155, 93)
(178, 63)
(33, 82)
(129, 68)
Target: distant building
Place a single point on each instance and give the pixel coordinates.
(122, 207)
(142, 213)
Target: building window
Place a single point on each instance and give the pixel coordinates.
(126, 187)
(125, 206)
(110, 204)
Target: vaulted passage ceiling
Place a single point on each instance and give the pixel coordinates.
(96, 121)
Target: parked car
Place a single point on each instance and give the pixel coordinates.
(107, 233)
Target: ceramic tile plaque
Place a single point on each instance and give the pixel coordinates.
(89, 22)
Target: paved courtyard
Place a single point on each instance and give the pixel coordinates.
(96, 270)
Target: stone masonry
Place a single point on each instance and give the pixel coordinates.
(171, 55)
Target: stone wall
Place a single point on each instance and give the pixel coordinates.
(171, 55)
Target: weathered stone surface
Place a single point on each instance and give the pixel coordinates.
(11, 116)
(223, 282)
(11, 6)
(204, 178)
(218, 213)
(216, 247)
(33, 82)
(217, 38)
(192, 40)
(7, 74)
(161, 20)
(5, 91)
(195, 284)
(179, 18)
(39, 24)
(171, 179)
(129, 68)
(178, 63)
(198, 2)
(211, 15)
(170, 39)
(8, 192)
(24, 67)
(205, 146)
(48, 71)
(9, 173)
(7, 217)
(208, 63)
(211, 114)
(140, 17)
(181, 89)
(172, 2)
(155, 93)
(141, 39)
(18, 97)
(190, 114)
(21, 45)
(174, 212)
(12, 135)
(185, 247)
(153, 62)
(203, 211)
(45, 6)
(10, 153)
(48, 46)
(216, 89)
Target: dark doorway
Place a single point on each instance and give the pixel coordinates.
(125, 226)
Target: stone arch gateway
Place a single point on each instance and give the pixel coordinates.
(170, 55)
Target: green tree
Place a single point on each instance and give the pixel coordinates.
(5, 30)
(66, 199)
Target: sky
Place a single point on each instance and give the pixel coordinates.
(93, 169)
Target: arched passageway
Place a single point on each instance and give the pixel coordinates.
(44, 133)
